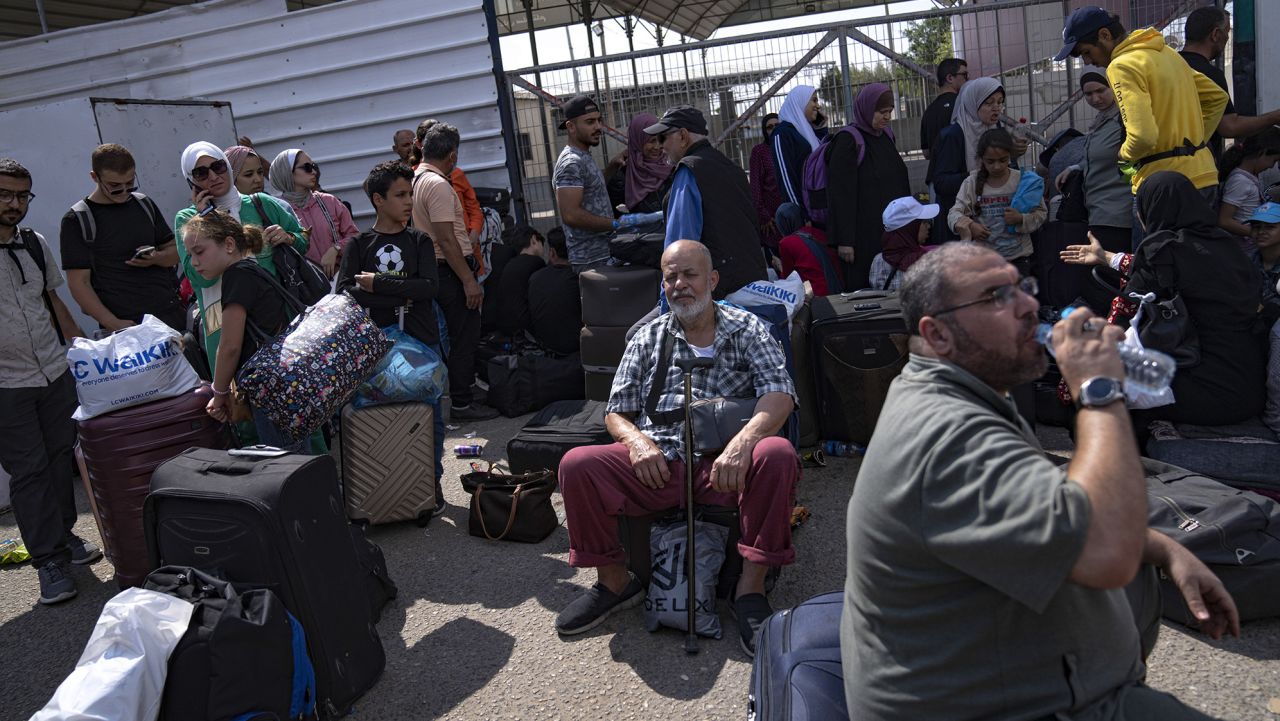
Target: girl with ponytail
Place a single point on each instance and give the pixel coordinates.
(983, 207)
(220, 248)
(1238, 171)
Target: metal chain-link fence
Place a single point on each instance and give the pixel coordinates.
(736, 81)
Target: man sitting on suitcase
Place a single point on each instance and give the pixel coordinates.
(984, 580)
(641, 473)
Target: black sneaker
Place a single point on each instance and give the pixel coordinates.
(473, 412)
(82, 552)
(55, 585)
(595, 605)
(750, 610)
(440, 502)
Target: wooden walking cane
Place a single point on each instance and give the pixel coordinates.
(687, 366)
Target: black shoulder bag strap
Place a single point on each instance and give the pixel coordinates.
(893, 273)
(666, 418)
(36, 251)
(262, 211)
(260, 336)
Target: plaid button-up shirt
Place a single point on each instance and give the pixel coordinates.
(749, 362)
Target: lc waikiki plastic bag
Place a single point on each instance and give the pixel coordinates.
(667, 603)
(410, 371)
(139, 364)
(788, 292)
(122, 671)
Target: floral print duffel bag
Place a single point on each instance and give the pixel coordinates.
(303, 376)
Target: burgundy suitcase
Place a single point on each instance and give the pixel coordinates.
(121, 449)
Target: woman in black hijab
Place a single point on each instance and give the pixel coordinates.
(1186, 253)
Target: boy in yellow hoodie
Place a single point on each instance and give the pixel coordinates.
(1169, 111)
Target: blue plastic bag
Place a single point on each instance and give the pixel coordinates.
(1029, 194)
(410, 371)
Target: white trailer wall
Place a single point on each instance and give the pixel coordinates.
(336, 81)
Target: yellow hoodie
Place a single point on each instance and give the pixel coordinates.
(1162, 102)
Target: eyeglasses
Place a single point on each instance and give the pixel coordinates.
(993, 104)
(23, 197)
(200, 172)
(999, 297)
(964, 74)
(113, 189)
(309, 168)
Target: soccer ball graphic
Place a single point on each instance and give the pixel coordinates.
(389, 260)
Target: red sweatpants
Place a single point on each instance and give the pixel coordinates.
(598, 484)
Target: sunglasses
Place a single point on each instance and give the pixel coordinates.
(124, 189)
(217, 167)
(309, 168)
(999, 297)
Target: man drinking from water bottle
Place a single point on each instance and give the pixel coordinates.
(641, 472)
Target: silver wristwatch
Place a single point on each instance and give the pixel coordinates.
(1100, 391)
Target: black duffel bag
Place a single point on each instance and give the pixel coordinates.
(519, 384)
(243, 654)
(1235, 533)
(638, 249)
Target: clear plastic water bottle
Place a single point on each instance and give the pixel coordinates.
(841, 449)
(1145, 370)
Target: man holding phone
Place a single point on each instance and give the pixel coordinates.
(117, 249)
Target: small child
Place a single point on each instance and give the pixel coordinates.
(393, 266)
(907, 226)
(219, 247)
(983, 206)
(1238, 172)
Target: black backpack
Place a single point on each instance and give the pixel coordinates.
(301, 277)
(243, 656)
(1235, 533)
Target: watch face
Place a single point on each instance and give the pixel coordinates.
(1099, 390)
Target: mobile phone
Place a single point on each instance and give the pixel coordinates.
(144, 252)
(258, 451)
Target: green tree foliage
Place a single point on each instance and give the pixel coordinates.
(929, 40)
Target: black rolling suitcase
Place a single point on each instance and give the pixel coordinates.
(276, 523)
(859, 345)
(618, 297)
(797, 673)
(553, 432)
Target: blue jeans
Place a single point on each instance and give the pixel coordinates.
(270, 435)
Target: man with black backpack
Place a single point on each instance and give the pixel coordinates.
(37, 394)
(118, 252)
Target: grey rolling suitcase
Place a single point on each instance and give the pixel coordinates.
(388, 463)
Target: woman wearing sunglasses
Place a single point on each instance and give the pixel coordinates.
(208, 173)
(328, 221)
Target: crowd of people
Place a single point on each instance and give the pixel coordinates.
(1148, 191)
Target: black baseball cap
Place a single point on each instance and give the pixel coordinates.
(681, 116)
(1083, 22)
(576, 107)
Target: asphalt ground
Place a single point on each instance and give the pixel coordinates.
(471, 634)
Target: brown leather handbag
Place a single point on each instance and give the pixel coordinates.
(511, 508)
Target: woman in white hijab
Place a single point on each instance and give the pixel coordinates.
(955, 154)
(208, 174)
(799, 133)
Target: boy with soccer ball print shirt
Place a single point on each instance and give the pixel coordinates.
(393, 266)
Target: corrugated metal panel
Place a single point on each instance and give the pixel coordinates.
(21, 18)
(336, 81)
